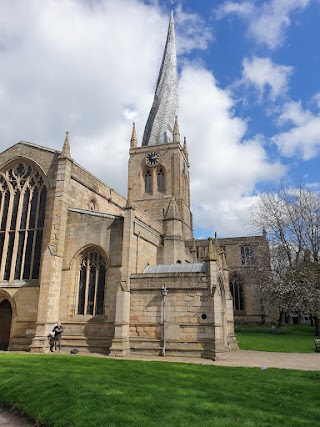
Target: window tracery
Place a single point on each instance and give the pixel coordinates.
(247, 255)
(92, 284)
(23, 197)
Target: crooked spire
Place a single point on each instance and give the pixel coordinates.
(160, 123)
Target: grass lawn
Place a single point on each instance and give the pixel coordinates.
(288, 339)
(76, 391)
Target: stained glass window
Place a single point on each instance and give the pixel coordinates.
(22, 210)
(92, 281)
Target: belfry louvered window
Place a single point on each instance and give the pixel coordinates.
(148, 182)
(23, 197)
(161, 180)
(91, 284)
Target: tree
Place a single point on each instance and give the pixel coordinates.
(291, 217)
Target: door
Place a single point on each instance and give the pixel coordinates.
(5, 324)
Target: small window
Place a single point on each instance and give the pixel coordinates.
(247, 255)
(92, 205)
(236, 289)
(161, 181)
(148, 182)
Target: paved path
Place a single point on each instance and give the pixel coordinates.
(245, 358)
(8, 419)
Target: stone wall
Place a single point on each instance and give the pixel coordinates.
(252, 298)
(189, 319)
(24, 304)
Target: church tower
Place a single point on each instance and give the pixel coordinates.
(158, 172)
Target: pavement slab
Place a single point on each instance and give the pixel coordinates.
(8, 419)
(246, 358)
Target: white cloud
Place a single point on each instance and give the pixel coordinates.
(224, 167)
(192, 31)
(303, 138)
(293, 113)
(80, 67)
(91, 68)
(267, 21)
(316, 98)
(263, 74)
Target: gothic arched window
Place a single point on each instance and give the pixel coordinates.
(236, 289)
(23, 197)
(92, 284)
(148, 182)
(161, 180)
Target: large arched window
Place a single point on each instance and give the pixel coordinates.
(23, 197)
(92, 283)
(148, 182)
(236, 289)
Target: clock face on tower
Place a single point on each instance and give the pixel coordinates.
(153, 158)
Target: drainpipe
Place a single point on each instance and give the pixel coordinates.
(164, 293)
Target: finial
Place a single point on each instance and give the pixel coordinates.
(176, 134)
(133, 141)
(65, 153)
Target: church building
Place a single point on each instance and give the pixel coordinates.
(121, 275)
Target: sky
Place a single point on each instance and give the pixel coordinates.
(249, 91)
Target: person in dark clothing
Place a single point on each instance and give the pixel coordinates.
(58, 329)
(51, 341)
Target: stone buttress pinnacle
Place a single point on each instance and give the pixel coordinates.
(176, 133)
(65, 153)
(133, 141)
(172, 210)
(160, 123)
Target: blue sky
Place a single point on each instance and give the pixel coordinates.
(249, 90)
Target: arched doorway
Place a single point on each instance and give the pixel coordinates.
(5, 324)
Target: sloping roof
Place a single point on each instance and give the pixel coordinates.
(196, 267)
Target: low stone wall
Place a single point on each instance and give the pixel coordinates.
(189, 320)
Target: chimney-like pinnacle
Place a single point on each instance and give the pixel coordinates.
(176, 133)
(134, 140)
(65, 153)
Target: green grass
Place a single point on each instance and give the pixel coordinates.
(76, 391)
(288, 339)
